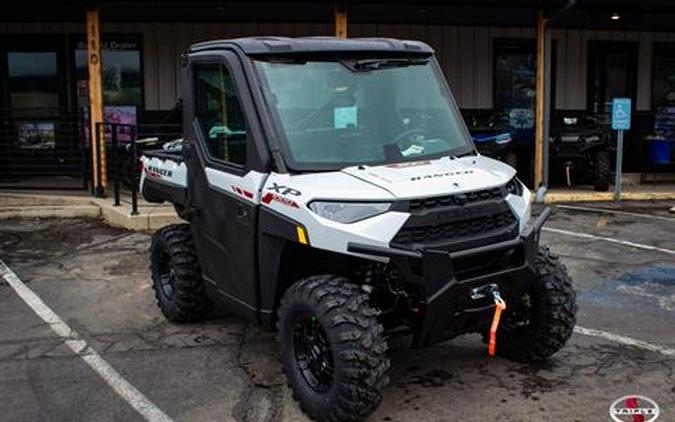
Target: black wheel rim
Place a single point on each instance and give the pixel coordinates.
(166, 276)
(312, 352)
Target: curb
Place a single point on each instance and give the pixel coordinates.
(555, 197)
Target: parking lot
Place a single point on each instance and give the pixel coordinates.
(95, 279)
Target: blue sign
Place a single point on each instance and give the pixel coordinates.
(621, 113)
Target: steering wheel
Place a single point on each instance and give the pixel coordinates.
(408, 134)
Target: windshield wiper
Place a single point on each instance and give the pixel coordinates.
(376, 64)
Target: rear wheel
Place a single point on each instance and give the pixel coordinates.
(332, 349)
(602, 171)
(542, 322)
(176, 275)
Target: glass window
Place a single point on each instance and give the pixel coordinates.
(339, 112)
(219, 113)
(664, 76)
(33, 82)
(121, 73)
(515, 82)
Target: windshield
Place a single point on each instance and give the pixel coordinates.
(332, 114)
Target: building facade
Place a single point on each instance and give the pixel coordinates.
(490, 66)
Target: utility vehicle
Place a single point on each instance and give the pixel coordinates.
(331, 189)
(580, 150)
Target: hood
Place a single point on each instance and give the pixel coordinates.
(443, 176)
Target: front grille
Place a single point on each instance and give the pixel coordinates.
(455, 200)
(462, 229)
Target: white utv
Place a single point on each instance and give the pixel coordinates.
(331, 190)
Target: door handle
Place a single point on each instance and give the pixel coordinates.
(242, 215)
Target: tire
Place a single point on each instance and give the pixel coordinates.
(602, 171)
(551, 314)
(351, 339)
(176, 275)
(511, 158)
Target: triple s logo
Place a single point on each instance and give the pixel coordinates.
(634, 409)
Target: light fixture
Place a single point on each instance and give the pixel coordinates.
(615, 16)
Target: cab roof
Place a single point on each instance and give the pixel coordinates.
(309, 45)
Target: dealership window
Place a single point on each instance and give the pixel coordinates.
(219, 113)
(612, 70)
(663, 89)
(121, 78)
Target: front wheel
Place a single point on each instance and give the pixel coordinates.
(540, 324)
(332, 349)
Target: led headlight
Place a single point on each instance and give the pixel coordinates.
(348, 212)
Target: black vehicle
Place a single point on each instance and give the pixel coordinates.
(580, 151)
(493, 137)
(332, 190)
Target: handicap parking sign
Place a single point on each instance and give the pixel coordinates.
(621, 113)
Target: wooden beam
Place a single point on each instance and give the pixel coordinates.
(96, 101)
(540, 98)
(340, 12)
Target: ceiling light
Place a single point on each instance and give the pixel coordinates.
(615, 16)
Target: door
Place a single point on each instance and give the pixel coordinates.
(612, 73)
(40, 140)
(223, 185)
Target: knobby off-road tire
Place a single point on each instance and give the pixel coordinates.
(354, 339)
(552, 314)
(176, 275)
(602, 171)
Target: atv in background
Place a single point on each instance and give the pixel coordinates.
(492, 136)
(580, 150)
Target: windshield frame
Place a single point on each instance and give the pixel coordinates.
(292, 165)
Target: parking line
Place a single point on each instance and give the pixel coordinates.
(79, 346)
(609, 239)
(611, 211)
(625, 340)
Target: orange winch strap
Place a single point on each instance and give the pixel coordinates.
(500, 305)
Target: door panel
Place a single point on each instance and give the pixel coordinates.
(225, 192)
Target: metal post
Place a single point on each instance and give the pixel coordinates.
(617, 172)
(115, 163)
(134, 172)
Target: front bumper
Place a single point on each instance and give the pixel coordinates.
(445, 280)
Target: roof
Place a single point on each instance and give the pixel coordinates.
(287, 45)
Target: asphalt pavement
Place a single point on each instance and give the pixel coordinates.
(95, 278)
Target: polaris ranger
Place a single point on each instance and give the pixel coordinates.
(331, 190)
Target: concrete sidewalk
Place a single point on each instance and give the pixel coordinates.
(80, 204)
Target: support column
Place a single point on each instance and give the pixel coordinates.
(340, 11)
(540, 101)
(96, 101)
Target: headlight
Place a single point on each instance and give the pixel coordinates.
(514, 187)
(348, 212)
(591, 139)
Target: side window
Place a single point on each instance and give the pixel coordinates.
(219, 113)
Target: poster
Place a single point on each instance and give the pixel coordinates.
(36, 135)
